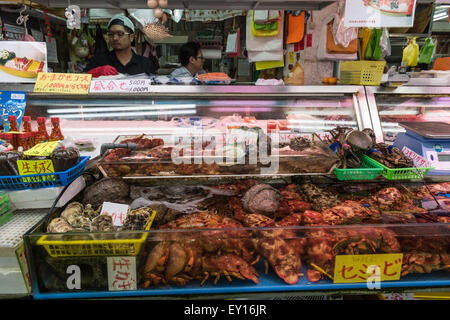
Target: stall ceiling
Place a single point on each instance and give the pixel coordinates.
(195, 4)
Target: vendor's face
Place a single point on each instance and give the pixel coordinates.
(119, 38)
(198, 61)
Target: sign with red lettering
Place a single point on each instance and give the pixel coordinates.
(121, 273)
(117, 211)
(366, 267)
(111, 86)
(65, 83)
(419, 161)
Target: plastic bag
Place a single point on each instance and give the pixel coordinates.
(373, 51)
(343, 35)
(427, 51)
(385, 43)
(411, 53)
(296, 77)
(364, 34)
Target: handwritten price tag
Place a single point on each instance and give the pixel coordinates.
(117, 211)
(44, 149)
(121, 273)
(359, 268)
(136, 86)
(419, 161)
(29, 167)
(67, 83)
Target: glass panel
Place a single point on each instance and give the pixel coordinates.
(103, 119)
(393, 109)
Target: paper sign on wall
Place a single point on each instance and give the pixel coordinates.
(379, 13)
(121, 273)
(108, 86)
(367, 267)
(68, 83)
(117, 211)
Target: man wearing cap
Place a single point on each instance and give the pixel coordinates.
(122, 59)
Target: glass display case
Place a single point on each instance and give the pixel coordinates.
(224, 248)
(390, 106)
(174, 112)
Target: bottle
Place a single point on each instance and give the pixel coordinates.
(26, 124)
(13, 127)
(23, 141)
(42, 135)
(9, 138)
(56, 134)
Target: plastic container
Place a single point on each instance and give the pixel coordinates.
(361, 72)
(45, 180)
(367, 171)
(399, 174)
(79, 248)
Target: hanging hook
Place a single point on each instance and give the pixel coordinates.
(22, 18)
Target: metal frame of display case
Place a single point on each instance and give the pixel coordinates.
(371, 93)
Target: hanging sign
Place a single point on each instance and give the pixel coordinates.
(379, 13)
(367, 268)
(65, 83)
(110, 86)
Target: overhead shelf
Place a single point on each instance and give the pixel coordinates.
(197, 4)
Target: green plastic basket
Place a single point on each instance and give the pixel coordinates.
(399, 174)
(366, 171)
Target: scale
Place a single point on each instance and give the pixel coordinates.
(430, 140)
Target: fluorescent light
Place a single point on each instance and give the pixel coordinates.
(122, 114)
(124, 108)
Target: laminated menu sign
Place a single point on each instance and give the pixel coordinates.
(367, 268)
(121, 273)
(379, 13)
(125, 86)
(12, 103)
(21, 61)
(68, 83)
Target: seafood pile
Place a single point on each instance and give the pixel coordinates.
(80, 218)
(270, 213)
(390, 156)
(242, 230)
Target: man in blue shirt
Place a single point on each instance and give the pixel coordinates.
(191, 59)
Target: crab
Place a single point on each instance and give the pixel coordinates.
(193, 253)
(273, 245)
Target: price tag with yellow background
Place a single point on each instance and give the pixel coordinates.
(361, 268)
(44, 149)
(30, 167)
(67, 83)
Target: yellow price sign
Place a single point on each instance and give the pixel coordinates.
(29, 167)
(67, 83)
(43, 149)
(367, 267)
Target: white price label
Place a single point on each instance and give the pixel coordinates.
(108, 86)
(117, 211)
(419, 161)
(122, 273)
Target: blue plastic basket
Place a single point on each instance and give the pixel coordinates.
(45, 180)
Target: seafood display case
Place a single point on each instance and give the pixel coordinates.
(390, 106)
(178, 112)
(245, 237)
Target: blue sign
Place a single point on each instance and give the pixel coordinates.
(12, 103)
